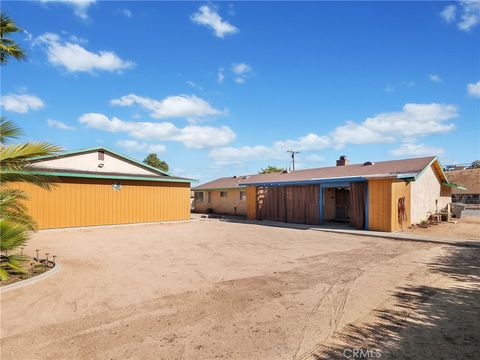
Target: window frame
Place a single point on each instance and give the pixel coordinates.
(243, 195)
(199, 198)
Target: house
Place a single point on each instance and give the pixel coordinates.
(469, 179)
(222, 196)
(101, 187)
(383, 196)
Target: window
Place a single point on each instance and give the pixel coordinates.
(199, 196)
(209, 196)
(101, 155)
(243, 195)
(223, 194)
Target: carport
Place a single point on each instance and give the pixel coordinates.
(305, 202)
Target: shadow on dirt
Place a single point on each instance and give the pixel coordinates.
(439, 319)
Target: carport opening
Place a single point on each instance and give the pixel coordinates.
(336, 205)
(345, 205)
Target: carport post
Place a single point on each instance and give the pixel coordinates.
(321, 204)
(366, 206)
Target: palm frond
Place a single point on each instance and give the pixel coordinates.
(13, 209)
(13, 235)
(8, 47)
(8, 130)
(44, 182)
(23, 152)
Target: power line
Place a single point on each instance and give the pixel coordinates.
(293, 157)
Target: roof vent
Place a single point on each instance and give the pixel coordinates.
(368, 163)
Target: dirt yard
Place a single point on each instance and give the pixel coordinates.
(216, 289)
(465, 228)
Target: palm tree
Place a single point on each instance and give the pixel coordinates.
(15, 223)
(8, 47)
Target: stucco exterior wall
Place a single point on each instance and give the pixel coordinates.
(222, 205)
(428, 196)
(90, 162)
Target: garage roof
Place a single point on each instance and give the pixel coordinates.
(153, 175)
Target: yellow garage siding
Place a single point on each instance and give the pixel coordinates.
(91, 202)
(379, 204)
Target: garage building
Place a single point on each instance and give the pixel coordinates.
(101, 187)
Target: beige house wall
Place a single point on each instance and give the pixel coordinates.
(428, 196)
(89, 162)
(222, 205)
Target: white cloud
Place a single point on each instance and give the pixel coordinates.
(241, 68)
(412, 149)
(277, 151)
(242, 72)
(194, 85)
(59, 125)
(170, 107)
(75, 58)
(474, 89)
(315, 158)
(80, 7)
(413, 121)
(449, 13)
(208, 16)
(135, 146)
(401, 84)
(21, 103)
(220, 75)
(435, 78)
(192, 136)
(126, 12)
(469, 14)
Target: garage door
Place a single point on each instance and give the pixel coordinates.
(90, 202)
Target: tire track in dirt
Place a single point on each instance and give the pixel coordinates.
(390, 315)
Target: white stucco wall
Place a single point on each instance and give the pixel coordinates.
(90, 162)
(425, 192)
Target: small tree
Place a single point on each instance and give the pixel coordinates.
(475, 164)
(270, 169)
(153, 160)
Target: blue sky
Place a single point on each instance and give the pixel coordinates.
(218, 89)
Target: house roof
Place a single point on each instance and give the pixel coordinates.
(226, 183)
(402, 169)
(157, 175)
(469, 178)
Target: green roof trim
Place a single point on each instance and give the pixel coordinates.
(99, 148)
(455, 186)
(430, 164)
(113, 177)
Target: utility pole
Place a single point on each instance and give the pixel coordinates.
(293, 157)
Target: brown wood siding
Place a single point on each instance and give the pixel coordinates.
(292, 204)
(91, 202)
(379, 205)
(251, 202)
